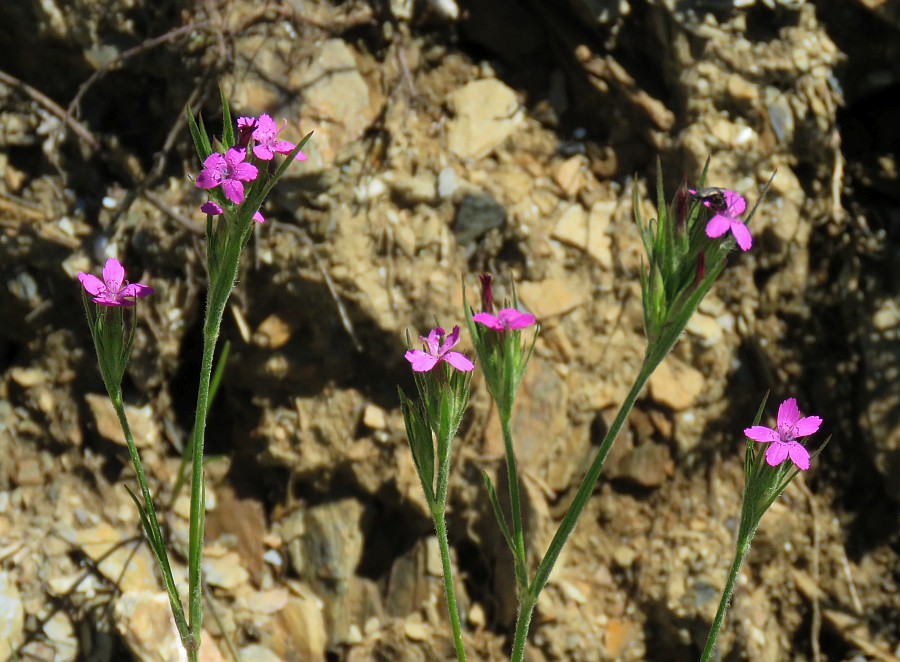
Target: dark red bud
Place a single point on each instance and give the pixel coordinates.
(701, 267)
(680, 206)
(245, 133)
(487, 294)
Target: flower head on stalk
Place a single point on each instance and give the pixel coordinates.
(443, 378)
(498, 343)
(766, 466)
(112, 333)
(682, 258)
(113, 290)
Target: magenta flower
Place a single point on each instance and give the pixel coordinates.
(728, 205)
(267, 142)
(507, 319)
(783, 438)
(113, 290)
(227, 171)
(211, 208)
(437, 352)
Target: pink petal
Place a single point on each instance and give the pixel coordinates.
(735, 202)
(136, 290)
(91, 283)
(234, 156)
(234, 190)
(215, 161)
(788, 413)
(263, 152)
(776, 454)
(208, 178)
(450, 340)
(283, 146)
(113, 302)
(799, 455)
(742, 235)
(433, 340)
(488, 320)
(459, 361)
(717, 226)
(211, 208)
(258, 217)
(421, 362)
(761, 434)
(513, 319)
(245, 172)
(807, 426)
(113, 274)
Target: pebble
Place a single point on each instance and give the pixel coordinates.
(550, 298)
(486, 114)
(225, 572)
(141, 420)
(12, 617)
(676, 384)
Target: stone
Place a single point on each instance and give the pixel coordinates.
(475, 215)
(374, 417)
(486, 113)
(648, 465)
(550, 298)
(570, 174)
(299, 627)
(676, 384)
(272, 333)
(144, 619)
(12, 617)
(225, 572)
(128, 564)
(336, 95)
(588, 231)
(141, 420)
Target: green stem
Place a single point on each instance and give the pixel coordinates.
(568, 523)
(154, 532)
(523, 621)
(512, 477)
(440, 528)
(743, 547)
(220, 287)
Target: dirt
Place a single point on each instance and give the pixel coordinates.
(449, 139)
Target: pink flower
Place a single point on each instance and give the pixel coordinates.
(228, 171)
(436, 352)
(211, 208)
(113, 290)
(783, 438)
(728, 205)
(267, 143)
(507, 319)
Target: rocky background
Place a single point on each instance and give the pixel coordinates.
(451, 137)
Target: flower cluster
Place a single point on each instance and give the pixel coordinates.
(232, 170)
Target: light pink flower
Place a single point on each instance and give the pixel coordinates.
(507, 319)
(267, 142)
(728, 205)
(783, 439)
(437, 352)
(211, 208)
(113, 290)
(227, 171)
